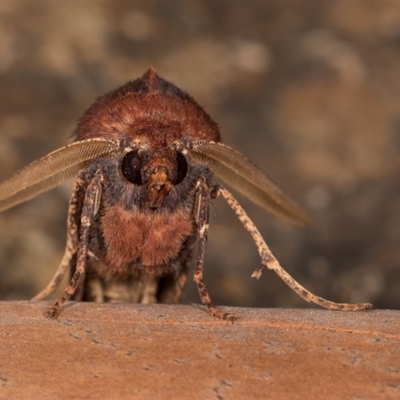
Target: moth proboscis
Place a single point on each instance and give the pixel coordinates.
(146, 161)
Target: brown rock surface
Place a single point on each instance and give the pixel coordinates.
(135, 352)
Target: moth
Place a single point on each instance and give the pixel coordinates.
(147, 163)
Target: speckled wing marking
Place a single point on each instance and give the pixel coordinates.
(239, 173)
(52, 170)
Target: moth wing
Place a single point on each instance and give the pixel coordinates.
(242, 175)
(53, 169)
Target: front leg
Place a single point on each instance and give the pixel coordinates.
(202, 211)
(90, 207)
(74, 212)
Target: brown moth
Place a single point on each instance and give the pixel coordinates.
(146, 161)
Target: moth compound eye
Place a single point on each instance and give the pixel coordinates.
(181, 168)
(131, 167)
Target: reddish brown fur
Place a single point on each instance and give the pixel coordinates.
(125, 113)
(153, 239)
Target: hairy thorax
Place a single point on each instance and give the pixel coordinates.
(138, 240)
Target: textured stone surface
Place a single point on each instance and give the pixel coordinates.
(127, 351)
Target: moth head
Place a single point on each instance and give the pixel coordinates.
(156, 172)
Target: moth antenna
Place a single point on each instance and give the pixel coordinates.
(239, 173)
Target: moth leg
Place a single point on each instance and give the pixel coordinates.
(269, 261)
(202, 208)
(74, 210)
(90, 288)
(171, 285)
(89, 209)
(180, 284)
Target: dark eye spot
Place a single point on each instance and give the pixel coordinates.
(181, 168)
(131, 167)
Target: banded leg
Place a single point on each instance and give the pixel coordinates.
(89, 209)
(202, 209)
(74, 211)
(269, 261)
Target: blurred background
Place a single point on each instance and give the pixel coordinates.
(308, 91)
